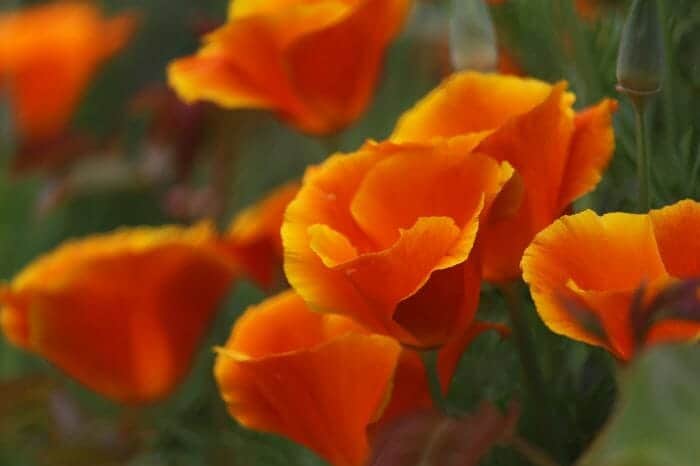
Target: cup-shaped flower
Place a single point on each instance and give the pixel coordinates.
(558, 155)
(122, 312)
(253, 237)
(385, 235)
(315, 64)
(319, 379)
(604, 263)
(48, 55)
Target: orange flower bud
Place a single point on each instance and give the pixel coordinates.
(606, 263)
(48, 54)
(123, 313)
(315, 64)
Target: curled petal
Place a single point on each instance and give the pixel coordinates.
(317, 379)
(360, 243)
(557, 155)
(592, 146)
(600, 260)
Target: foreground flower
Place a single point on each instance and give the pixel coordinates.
(254, 240)
(313, 63)
(558, 155)
(385, 236)
(319, 379)
(123, 313)
(601, 263)
(48, 54)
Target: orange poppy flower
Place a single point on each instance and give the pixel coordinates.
(48, 54)
(385, 235)
(319, 379)
(253, 238)
(558, 155)
(601, 262)
(123, 312)
(313, 63)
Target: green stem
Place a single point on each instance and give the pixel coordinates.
(668, 86)
(430, 360)
(534, 380)
(643, 169)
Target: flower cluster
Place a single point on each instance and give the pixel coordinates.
(384, 248)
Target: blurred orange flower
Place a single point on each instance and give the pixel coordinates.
(48, 54)
(254, 240)
(602, 262)
(123, 312)
(558, 155)
(319, 379)
(313, 63)
(385, 236)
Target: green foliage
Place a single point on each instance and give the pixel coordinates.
(656, 419)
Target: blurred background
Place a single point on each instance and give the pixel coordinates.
(144, 158)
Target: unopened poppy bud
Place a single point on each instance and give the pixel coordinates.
(472, 36)
(640, 61)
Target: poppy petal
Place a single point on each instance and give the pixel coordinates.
(601, 259)
(253, 238)
(321, 384)
(123, 313)
(536, 144)
(592, 146)
(469, 102)
(677, 234)
(327, 72)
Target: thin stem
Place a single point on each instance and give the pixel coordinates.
(534, 379)
(430, 358)
(643, 170)
(532, 453)
(668, 86)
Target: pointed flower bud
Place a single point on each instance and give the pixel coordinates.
(472, 36)
(641, 57)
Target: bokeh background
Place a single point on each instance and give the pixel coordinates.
(131, 177)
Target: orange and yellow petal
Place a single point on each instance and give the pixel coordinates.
(314, 63)
(469, 102)
(677, 232)
(124, 312)
(65, 40)
(318, 379)
(592, 146)
(326, 69)
(536, 144)
(358, 243)
(600, 260)
(253, 238)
